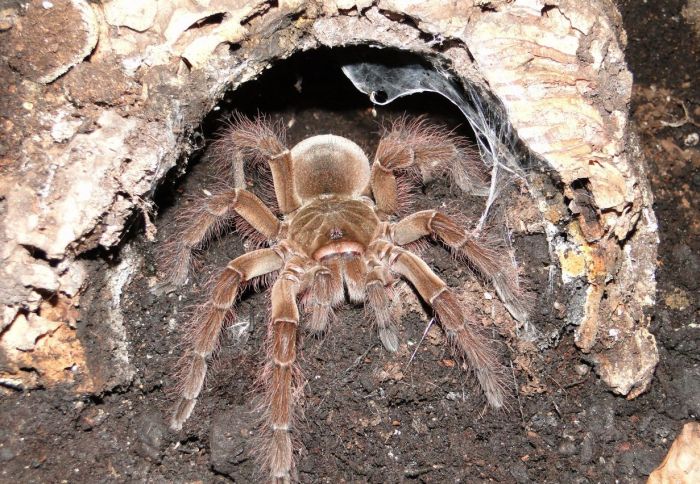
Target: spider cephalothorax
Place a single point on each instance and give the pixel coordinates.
(338, 238)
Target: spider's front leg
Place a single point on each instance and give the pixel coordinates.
(205, 219)
(488, 258)
(203, 340)
(245, 140)
(282, 377)
(467, 338)
(430, 149)
(259, 141)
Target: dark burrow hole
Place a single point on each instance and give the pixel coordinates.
(310, 95)
(368, 414)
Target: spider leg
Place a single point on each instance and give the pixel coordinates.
(206, 218)
(486, 257)
(281, 375)
(468, 340)
(378, 299)
(283, 179)
(418, 145)
(204, 337)
(257, 141)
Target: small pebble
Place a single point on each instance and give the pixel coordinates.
(519, 472)
(692, 139)
(587, 448)
(582, 370)
(92, 418)
(151, 435)
(567, 448)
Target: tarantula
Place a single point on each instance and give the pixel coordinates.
(338, 238)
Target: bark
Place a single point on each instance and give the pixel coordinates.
(93, 122)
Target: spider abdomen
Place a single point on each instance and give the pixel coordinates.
(329, 165)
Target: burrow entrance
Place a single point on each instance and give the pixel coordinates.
(366, 412)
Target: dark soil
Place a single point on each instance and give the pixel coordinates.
(371, 416)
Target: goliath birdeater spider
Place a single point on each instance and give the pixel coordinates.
(339, 238)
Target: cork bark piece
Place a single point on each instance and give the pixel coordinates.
(50, 38)
(77, 164)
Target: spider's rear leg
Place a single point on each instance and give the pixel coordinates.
(205, 219)
(487, 257)
(203, 340)
(282, 376)
(429, 149)
(467, 338)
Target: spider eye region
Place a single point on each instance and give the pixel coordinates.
(329, 165)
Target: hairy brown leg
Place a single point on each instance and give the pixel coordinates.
(430, 149)
(488, 258)
(281, 376)
(245, 140)
(283, 178)
(203, 340)
(205, 219)
(378, 280)
(468, 339)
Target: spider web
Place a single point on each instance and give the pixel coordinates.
(495, 137)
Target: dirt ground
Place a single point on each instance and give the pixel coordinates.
(370, 416)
